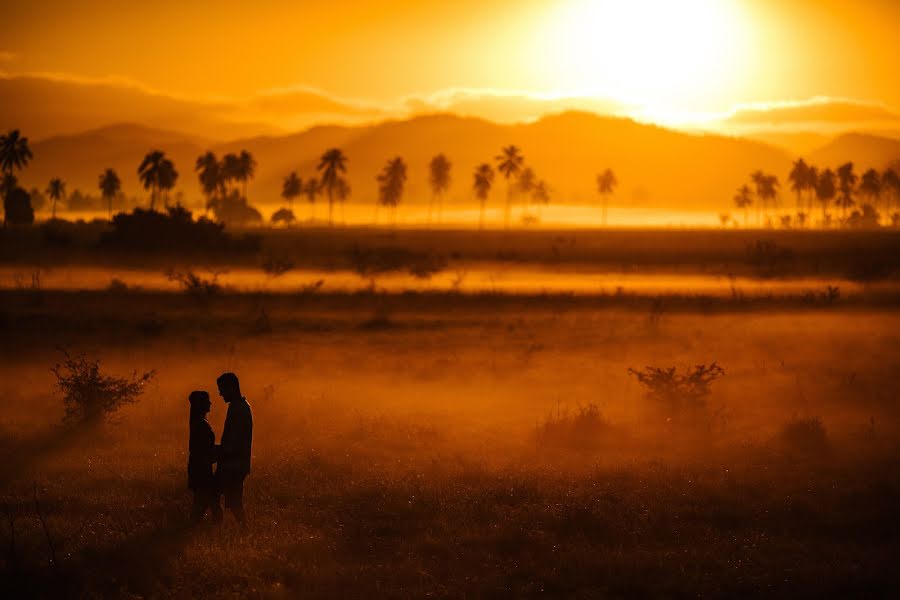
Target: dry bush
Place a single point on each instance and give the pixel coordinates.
(276, 266)
(807, 436)
(192, 283)
(679, 392)
(90, 396)
(584, 428)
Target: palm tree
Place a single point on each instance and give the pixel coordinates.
(291, 188)
(14, 152)
(770, 190)
(509, 163)
(540, 194)
(150, 172)
(742, 199)
(110, 185)
(890, 181)
(759, 178)
(870, 187)
(525, 183)
(439, 178)
(606, 185)
(846, 183)
(391, 182)
(812, 180)
(209, 172)
(246, 169)
(231, 169)
(167, 178)
(484, 179)
(311, 190)
(799, 178)
(56, 190)
(825, 191)
(332, 165)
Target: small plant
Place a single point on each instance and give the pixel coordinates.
(90, 396)
(192, 283)
(805, 435)
(584, 428)
(677, 391)
(117, 286)
(275, 266)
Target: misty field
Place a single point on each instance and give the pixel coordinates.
(434, 442)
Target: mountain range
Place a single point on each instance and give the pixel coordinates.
(656, 167)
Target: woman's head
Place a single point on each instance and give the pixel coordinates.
(200, 403)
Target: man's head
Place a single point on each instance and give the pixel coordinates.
(229, 387)
(200, 403)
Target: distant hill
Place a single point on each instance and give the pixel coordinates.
(656, 167)
(864, 150)
(43, 107)
(79, 159)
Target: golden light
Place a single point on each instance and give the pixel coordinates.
(665, 55)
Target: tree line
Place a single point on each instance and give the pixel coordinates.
(865, 200)
(862, 201)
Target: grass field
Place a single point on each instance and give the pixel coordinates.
(461, 445)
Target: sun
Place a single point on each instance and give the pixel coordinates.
(661, 54)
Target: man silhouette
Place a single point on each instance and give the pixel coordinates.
(234, 449)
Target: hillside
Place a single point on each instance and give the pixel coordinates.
(864, 150)
(656, 167)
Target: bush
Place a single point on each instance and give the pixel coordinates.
(679, 391)
(90, 396)
(17, 207)
(582, 429)
(283, 215)
(192, 283)
(233, 209)
(173, 231)
(807, 436)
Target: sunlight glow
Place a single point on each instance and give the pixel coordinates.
(669, 56)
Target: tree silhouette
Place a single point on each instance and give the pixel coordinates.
(606, 186)
(110, 186)
(291, 187)
(743, 198)
(870, 187)
(439, 178)
(56, 190)
(311, 190)
(484, 179)
(540, 194)
(825, 191)
(209, 172)
(332, 166)
(890, 182)
(150, 173)
(230, 169)
(812, 180)
(246, 169)
(800, 180)
(509, 163)
(167, 178)
(14, 152)
(766, 191)
(391, 182)
(525, 183)
(846, 184)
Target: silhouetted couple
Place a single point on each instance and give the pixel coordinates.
(231, 456)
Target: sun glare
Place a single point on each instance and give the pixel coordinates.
(662, 54)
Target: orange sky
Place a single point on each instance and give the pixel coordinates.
(669, 60)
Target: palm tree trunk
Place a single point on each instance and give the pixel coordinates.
(508, 210)
(53, 215)
(481, 216)
(330, 208)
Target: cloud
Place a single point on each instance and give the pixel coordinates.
(504, 106)
(819, 110)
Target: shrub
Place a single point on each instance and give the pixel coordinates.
(276, 266)
(584, 428)
(17, 207)
(679, 391)
(233, 209)
(90, 396)
(283, 215)
(192, 283)
(804, 435)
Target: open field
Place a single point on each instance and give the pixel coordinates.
(443, 444)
